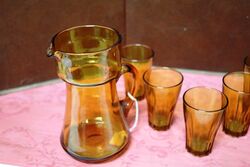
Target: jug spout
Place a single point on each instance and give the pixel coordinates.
(52, 52)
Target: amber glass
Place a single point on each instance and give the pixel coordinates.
(162, 88)
(89, 62)
(203, 113)
(87, 55)
(236, 86)
(247, 64)
(93, 125)
(141, 57)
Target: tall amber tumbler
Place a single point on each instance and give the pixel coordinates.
(162, 86)
(236, 86)
(247, 77)
(203, 113)
(141, 57)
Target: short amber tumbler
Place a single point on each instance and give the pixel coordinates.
(141, 57)
(162, 88)
(203, 113)
(236, 86)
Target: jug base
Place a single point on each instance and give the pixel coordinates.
(95, 160)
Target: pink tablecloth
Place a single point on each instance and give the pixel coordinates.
(31, 121)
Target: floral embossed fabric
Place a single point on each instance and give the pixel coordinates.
(31, 122)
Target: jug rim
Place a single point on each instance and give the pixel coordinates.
(87, 53)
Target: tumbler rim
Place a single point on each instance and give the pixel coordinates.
(198, 109)
(233, 73)
(163, 87)
(138, 45)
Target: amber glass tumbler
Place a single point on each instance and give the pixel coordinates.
(236, 86)
(203, 113)
(141, 57)
(162, 87)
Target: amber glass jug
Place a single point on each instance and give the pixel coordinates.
(89, 62)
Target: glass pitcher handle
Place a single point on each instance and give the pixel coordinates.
(136, 112)
(127, 102)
